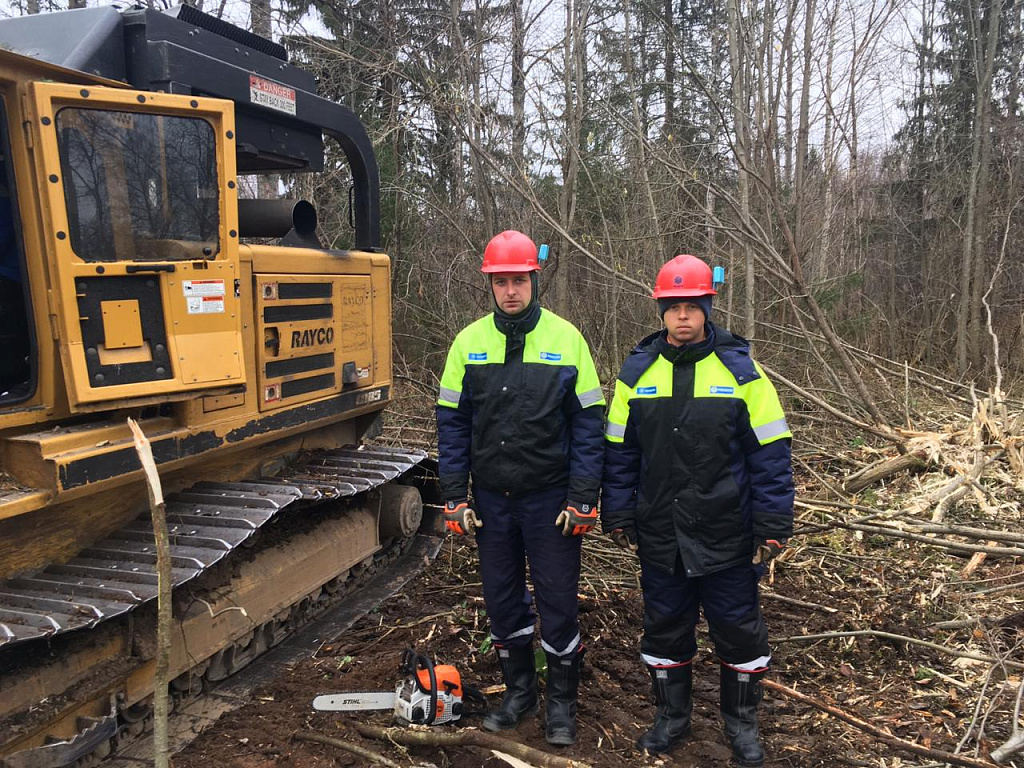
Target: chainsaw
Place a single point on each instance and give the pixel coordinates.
(428, 695)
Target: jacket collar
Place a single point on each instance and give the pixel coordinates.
(732, 349)
(517, 326)
(688, 353)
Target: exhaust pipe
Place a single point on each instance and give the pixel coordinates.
(293, 221)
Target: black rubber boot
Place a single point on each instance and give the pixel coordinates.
(563, 690)
(520, 700)
(673, 693)
(741, 693)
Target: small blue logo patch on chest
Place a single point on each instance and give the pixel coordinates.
(647, 390)
(722, 390)
(555, 356)
(477, 355)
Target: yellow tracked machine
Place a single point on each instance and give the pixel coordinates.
(256, 370)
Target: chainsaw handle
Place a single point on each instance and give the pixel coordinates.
(412, 662)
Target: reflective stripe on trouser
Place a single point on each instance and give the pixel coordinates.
(731, 606)
(517, 530)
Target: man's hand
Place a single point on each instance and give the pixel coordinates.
(625, 537)
(766, 550)
(459, 517)
(575, 519)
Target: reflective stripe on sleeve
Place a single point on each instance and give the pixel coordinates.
(590, 397)
(450, 396)
(615, 431)
(771, 430)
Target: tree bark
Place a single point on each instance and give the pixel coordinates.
(803, 132)
(968, 313)
(518, 85)
(467, 737)
(742, 149)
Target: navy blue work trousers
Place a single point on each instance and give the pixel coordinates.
(731, 606)
(516, 531)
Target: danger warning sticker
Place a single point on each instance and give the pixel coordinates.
(267, 93)
(205, 305)
(203, 297)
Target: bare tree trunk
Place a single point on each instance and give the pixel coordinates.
(392, 93)
(968, 314)
(669, 87)
(739, 112)
(828, 150)
(260, 24)
(788, 53)
(640, 131)
(924, 252)
(518, 89)
(469, 70)
(977, 344)
(574, 90)
(803, 131)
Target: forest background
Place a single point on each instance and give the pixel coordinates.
(853, 164)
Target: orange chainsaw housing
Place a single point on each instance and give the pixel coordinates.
(448, 679)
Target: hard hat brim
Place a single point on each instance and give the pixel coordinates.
(682, 293)
(488, 269)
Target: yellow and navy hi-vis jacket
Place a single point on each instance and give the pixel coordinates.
(697, 454)
(521, 413)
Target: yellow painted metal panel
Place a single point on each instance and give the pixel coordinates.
(200, 301)
(121, 325)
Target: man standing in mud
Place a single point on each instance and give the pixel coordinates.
(698, 481)
(521, 411)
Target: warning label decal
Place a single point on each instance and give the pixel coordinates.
(267, 93)
(204, 296)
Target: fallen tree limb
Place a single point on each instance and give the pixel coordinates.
(955, 546)
(882, 470)
(467, 738)
(1014, 745)
(800, 603)
(879, 733)
(908, 523)
(901, 639)
(355, 749)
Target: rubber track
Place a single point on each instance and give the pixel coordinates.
(206, 523)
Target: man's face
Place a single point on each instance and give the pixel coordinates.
(685, 323)
(512, 291)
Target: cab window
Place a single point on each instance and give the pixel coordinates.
(139, 187)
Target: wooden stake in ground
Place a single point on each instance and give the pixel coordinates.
(163, 570)
(467, 738)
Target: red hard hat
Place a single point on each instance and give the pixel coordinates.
(510, 251)
(684, 276)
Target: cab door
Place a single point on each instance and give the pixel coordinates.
(141, 216)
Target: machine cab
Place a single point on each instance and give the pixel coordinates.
(140, 240)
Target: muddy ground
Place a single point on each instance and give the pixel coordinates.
(825, 584)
